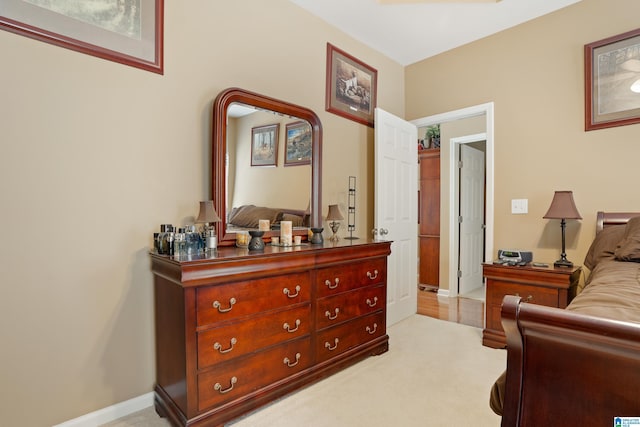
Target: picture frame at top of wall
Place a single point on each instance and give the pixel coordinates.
(351, 89)
(612, 81)
(129, 32)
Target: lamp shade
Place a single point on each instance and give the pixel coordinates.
(207, 213)
(334, 213)
(562, 207)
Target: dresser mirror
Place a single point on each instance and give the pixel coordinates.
(257, 169)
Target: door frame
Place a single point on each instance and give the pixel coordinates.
(488, 136)
(454, 206)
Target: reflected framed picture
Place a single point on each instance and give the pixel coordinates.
(297, 147)
(612, 81)
(264, 145)
(351, 86)
(129, 32)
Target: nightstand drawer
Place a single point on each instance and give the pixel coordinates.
(532, 294)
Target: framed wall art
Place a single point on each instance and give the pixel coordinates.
(351, 86)
(264, 145)
(129, 32)
(297, 146)
(612, 81)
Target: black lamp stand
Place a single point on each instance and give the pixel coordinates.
(563, 261)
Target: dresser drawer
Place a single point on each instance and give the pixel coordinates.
(221, 344)
(334, 341)
(225, 302)
(333, 280)
(336, 309)
(533, 294)
(229, 381)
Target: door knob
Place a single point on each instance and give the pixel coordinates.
(384, 231)
(374, 232)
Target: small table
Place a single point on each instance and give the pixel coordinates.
(550, 286)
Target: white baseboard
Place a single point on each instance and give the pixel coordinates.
(111, 413)
(443, 293)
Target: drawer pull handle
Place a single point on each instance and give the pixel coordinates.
(218, 346)
(529, 298)
(329, 316)
(373, 276)
(219, 389)
(372, 331)
(372, 303)
(287, 362)
(328, 345)
(329, 285)
(287, 327)
(216, 305)
(288, 293)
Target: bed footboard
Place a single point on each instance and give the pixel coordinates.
(565, 368)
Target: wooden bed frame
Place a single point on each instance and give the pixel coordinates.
(565, 368)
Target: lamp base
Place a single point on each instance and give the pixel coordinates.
(563, 263)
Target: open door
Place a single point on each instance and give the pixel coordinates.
(471, 247)
(396, 209)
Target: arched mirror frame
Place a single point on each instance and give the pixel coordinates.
(219, 150)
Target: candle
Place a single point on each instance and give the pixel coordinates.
(263, 225)
(286, 232)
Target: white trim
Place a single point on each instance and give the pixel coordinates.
(111, 413)
(443, 293)
(454, 205)
(488, 110)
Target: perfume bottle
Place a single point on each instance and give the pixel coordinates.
(179, 242)
(193, 240)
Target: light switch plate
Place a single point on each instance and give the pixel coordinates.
(519, 206)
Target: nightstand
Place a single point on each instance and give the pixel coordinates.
(550, 286)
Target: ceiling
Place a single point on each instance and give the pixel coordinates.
(408, 31)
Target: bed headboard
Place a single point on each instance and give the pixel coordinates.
(608, 219)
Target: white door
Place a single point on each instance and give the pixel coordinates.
(472, 218)
(396, 209)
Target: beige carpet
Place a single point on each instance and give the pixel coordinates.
(436, 373)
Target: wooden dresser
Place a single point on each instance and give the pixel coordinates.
(236, 330)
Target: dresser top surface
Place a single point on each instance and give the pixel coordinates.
(229, 253)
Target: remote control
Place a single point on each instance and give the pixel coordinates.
(540, 264)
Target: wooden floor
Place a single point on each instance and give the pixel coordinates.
(467, 311)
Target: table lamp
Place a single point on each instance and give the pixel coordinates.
(207, 216)
(334, 215)
(563, 207)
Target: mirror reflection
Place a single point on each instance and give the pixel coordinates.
(268, 168)
(266, 154)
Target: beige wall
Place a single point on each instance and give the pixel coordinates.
(95, 155)
(534, 74)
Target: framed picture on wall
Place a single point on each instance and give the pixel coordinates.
(264, 145)
(612, 81)
(297, 148)
(126, 31)
(351, 86)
